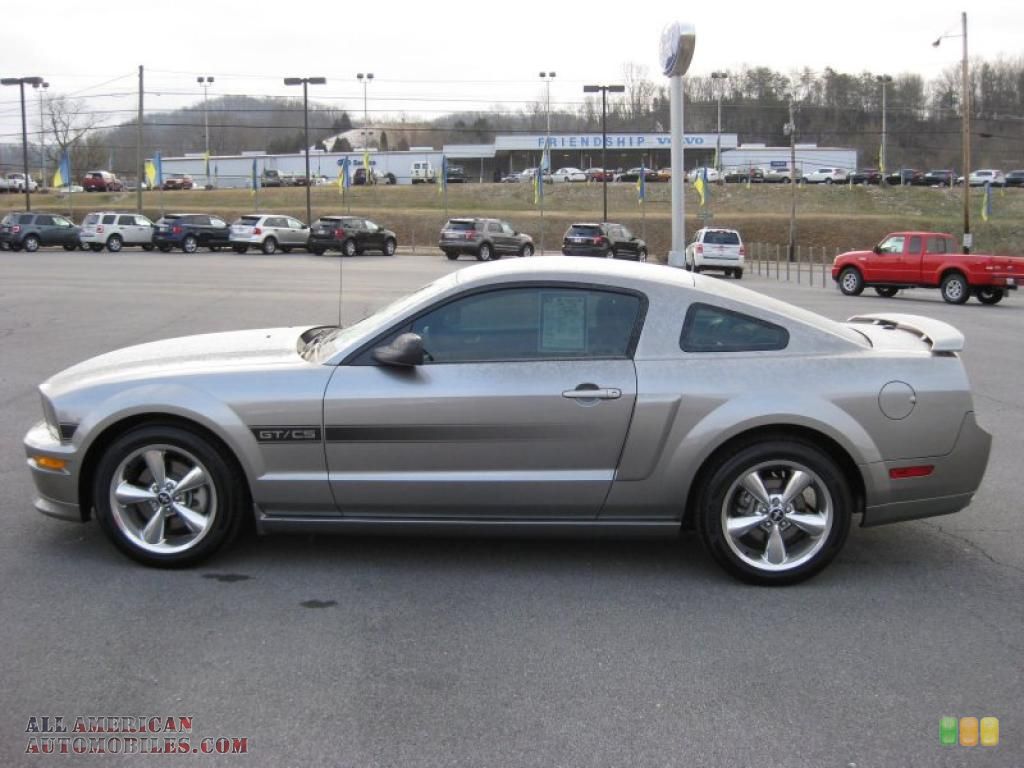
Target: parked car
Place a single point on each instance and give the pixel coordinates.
(905, 177)
(779, 176)
(569, 174)
(5, 185)
(269, 233)
(827, 175)
(604, 241)
(16, 183)
(455, 174)
(633, 174)
(939, 178)
(719, 249)
(1015, 179)
(352, 235)
(742, 175)
(583, 395)
(29, 231)
(510, 178)
(528, 174)
(191, 231)
(986, 176)
(485, 239)
(271, 178)
(178, 181)
(866, 176)
(101, 181)
(385, 177)
(927, 260)
(710, 175)
(113, 230)
(599, 174)
(422, 172)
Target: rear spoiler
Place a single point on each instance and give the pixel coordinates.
(942, 337)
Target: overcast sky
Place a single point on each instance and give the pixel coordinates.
(433, 58)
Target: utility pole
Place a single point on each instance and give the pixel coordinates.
(718, 136)
(205, 83)
(547, 77)
(791, 129)
(41, 87)
(604, 90)
(139, 169)
(965, 107)
(883, 159)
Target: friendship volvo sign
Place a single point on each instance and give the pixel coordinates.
(615, 141)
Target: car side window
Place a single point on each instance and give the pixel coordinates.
(892, 245)
(142, 221)
(915, 246)
(109, 218)
(937, 245)
(44, 221)
(199, 221)
(506, 228)
(531, 323)
(371, 227)
(295, 224)
(26, 218)
(126, 221)
(709, 328)
(217, 222)
(60, 221)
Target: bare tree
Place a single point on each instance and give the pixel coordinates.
(639, 91)
(72, 124)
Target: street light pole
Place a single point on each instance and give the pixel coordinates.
(41, 87)
(365, 80)
(883, 159)
(21, 82)
(604, 90)
(965, 119)
(205, 83)
(791, 130)
(718, 136)
(305, 82)
(545, 157)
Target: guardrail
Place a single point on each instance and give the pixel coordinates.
(811, 265)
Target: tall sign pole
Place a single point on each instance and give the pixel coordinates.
(677, 44)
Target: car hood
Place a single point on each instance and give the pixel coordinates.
(186, 355)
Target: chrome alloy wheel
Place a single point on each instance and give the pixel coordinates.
(163, 499)
(777, 516)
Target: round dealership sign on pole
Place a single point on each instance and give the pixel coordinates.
(677, 43)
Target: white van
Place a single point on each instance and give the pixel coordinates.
(422, 173)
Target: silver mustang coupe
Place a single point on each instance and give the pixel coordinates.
(547, 396)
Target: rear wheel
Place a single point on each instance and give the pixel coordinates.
(31, 243)
(452, 255)
(954, 288)
(775, 511)
(886, 291)
(485, 253)
(147, 247)
(990, 295)
(164, 248)
(349, 247)
(270, 246)
(114, 243)
(190, 244)
(739, 274)
(642, 256)
(851, 282)
(165, 496)
(95, 247)
(241, 248)
(69, 247)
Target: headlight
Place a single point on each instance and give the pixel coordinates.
(50, 416)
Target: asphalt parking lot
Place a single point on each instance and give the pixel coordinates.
(405, 652)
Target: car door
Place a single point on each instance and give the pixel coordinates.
(64, 232)
(519, 411)
(500, 240)
(128, 229)
(144, 230)
(630, 246)
(887, 265)
(374, 236)
(297, 233)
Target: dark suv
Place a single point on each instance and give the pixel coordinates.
(484, 238)
(603, 240)
(31, 230)
(191, 231)
(351, 235)
(942, 178)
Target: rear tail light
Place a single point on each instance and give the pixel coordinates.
(470, 234)
(339, 233)
(257, 231)
(176, 229)
(15, 229)
(699, 248)
(902, 473)
(600, 241)
(743, 251)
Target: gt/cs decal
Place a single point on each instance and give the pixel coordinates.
(276, 434)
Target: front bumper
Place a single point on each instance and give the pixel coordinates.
(56, 490)
(949, 488)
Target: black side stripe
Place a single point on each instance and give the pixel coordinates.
(446, 433)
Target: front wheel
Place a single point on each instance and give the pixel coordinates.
(739, 274)
(190, 244)
(526, 250)
(990, 295)
(390, 246)
(886, 292)
(851, 283)
(642, 256)
(774, 511)
(166, 496)
(954, 289)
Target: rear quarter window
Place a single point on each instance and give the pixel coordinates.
(709, 328)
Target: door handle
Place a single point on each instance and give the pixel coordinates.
(596, 393)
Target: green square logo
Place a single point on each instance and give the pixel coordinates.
(948, 731)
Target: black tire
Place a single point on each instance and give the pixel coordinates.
(390, 246)
(115, 243)
(955, 289)
(68, 247)
(316, 250)
(95, 247)
(787, 181)
(485, 253)
(990, 295)
(886, 291)
(240, 249)
(147, 247)
(452, 255)
(777, 458)
(829, 182)
(851, 282)
(526, 250)
(164, 248)
(286, 249)
(642, 255)
(228, 494)
(269, 246)
(30, 243)
(214, 248)
(190, 244)
(348, 248)
(739, 274)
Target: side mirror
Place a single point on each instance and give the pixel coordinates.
(406, 351)
(877, 249)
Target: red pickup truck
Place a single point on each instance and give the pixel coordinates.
(927, 260)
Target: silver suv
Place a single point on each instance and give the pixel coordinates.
(484, 238)
(113, 230)
(269, 232)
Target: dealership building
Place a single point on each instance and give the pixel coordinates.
(509, 154)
